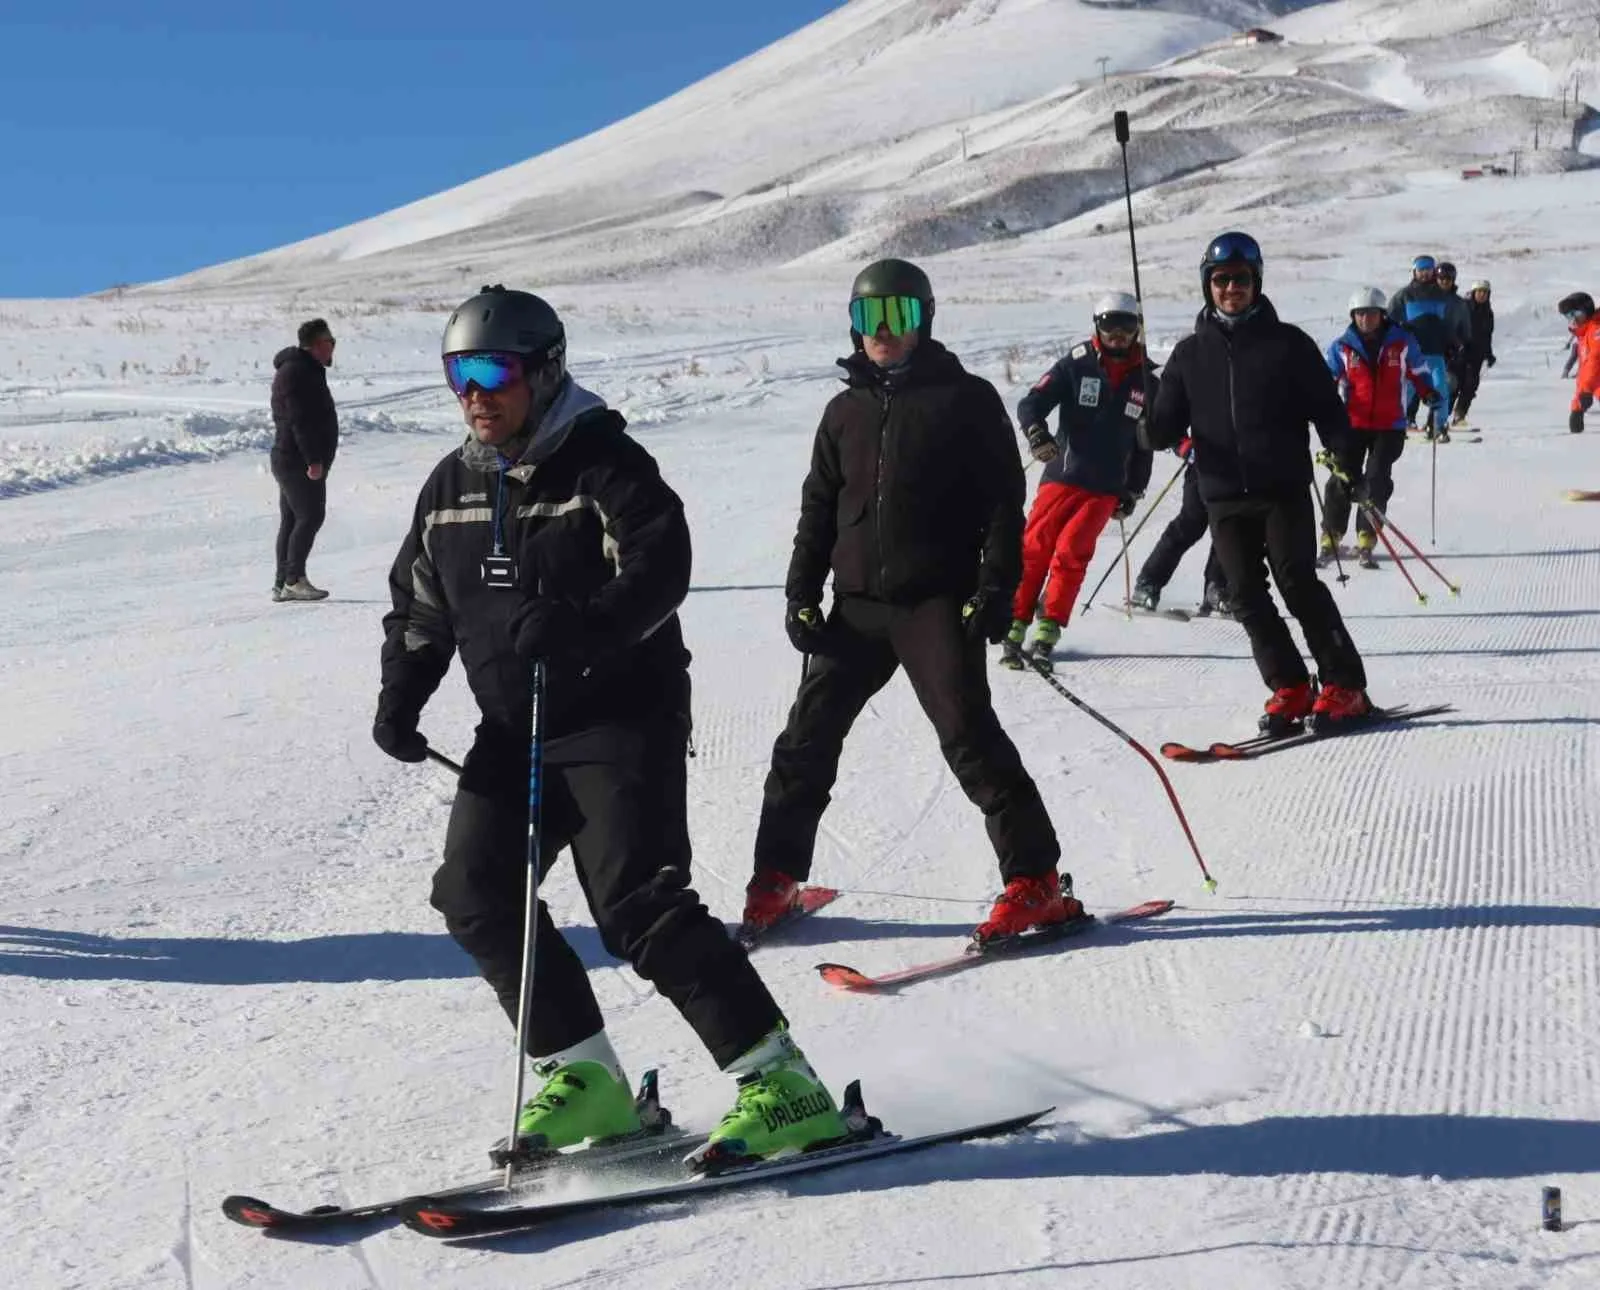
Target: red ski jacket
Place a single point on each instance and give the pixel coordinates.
(1372, 375)
(1588, 337)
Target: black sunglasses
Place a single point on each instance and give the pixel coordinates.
(1239, 279)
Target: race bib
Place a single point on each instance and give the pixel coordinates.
(1133, 411)
(1089, 392)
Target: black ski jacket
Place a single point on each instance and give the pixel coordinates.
(586, 517)
(1482, 317)
(1098, 415)
(1245, 393)
(915, 488)
(304, 420)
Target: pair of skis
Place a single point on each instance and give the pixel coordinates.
(474, 1209)
(1297, 735)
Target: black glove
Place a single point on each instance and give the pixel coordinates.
(545, 627)
(395, 731)
(987, 616)
(1432, 399)
(1488, 360)
(1125, 505)
(806, 627)
(1041, 443)
(1575, 422)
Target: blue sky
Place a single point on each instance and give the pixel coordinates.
(140, 140)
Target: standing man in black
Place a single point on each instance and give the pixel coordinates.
(914, 504)
(306, 438)
(1243, 386)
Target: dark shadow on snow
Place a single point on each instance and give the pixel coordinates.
(1405, 918)
(218, 960)
(1451, 1147)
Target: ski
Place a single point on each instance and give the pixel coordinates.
(807, 901)
(1583, 494)
(1244, 749)
(1171, 615)
(447, 1219)
(848, 978)
(662, 1140)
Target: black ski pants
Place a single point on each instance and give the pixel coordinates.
(1280, 531)
(1468, 373)
(617, 796)
(302, 506)
(867, 641)
(1369, 456)
(1182, 532)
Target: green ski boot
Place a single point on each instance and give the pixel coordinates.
(584, 1098)
(782, 1109)
(1011, 647)
(1045, 639)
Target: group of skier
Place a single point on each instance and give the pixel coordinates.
(550, 537)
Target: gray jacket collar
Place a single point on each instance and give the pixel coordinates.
(571, 402)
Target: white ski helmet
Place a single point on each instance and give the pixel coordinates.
(1115, 302)
(1369, 298)
(1482, 284)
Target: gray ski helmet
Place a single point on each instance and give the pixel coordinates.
(507, 322)
(896, 278)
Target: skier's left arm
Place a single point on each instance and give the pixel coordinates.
(1003, 491)
(1324, 408)
(647, 541)
(1588, 387)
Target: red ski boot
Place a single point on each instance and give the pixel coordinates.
(1339, 703)
(770, 895)
(1288, 706)
(1037, 901)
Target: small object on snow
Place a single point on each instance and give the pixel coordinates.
(1311, 1030)
(1550, 1209)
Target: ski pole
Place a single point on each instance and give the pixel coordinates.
(1127, 573)
(1119, 126)
(1040, 666)
(1322, 515)
(1386, 522)
(1433, 491)
(453, 767)
(1382, 521)
(1399, 564)
(1128, 541)
(531, 913)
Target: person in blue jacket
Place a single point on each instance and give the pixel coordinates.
(1438, 318)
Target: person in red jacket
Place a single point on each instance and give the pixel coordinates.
(1094, 470)
(1371, 361)
(1578, 310)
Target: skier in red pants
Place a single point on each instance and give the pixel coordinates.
(1094, 471)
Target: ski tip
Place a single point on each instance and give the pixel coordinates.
(251, 1212)
(1226, 752)
(844, 977)
(1181, 752)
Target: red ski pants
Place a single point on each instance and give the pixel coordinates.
(1058, 543)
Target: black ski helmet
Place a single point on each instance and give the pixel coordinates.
(507, 322)
(1576, 301)
(896, 278)
(1445, 269)
(1230, 248)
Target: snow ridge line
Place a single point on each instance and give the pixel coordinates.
(195, 437)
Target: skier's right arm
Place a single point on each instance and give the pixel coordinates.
(418, 644)
(1040, 401)
(1397, 305)
(819, 518)
(1168, 422)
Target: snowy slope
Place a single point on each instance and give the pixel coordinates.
(1352, 1067)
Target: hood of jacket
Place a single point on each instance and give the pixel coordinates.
(572, 401)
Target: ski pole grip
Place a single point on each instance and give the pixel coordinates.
(1119, 123)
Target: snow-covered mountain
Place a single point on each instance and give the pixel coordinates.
(930, 125)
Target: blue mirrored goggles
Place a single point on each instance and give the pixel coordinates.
(1575, 315)
(490, 372)
(901, 314)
